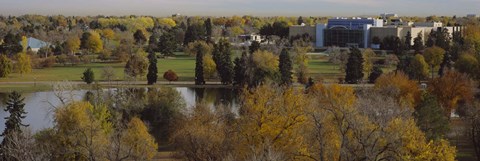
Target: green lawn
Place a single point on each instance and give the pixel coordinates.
(183, 65)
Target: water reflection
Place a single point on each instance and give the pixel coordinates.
(39, 105)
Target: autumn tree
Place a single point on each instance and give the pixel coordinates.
(5, 66)
(108, 73)
(24, 63)
(137, 65)
(91, 42)
(266, 66)
(152, 69)
(468, 64)
(301, 48)
(209, 66)
(418, 68)
(354, 73)
(72, 44)
(140, 144)
(434, 56)
(272, 118)
(170, 76)
(399, 86)
(368, 55)
(450, 89)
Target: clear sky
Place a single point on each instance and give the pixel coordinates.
(240, 7)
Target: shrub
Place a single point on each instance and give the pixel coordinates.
(88, 76)
(170, 75)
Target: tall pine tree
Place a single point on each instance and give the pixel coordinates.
(13, 123)
(199, 76)
(222, 57)
(418, 43)
(285, 67)
(408, 41)
(152, 74)
(240, 69)
(354, 71)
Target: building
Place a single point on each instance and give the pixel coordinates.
(472, 16)
(35, 44)
(346, 32)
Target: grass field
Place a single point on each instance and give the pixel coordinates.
(183, 65)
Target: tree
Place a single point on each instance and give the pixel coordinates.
(24, 63)
(376, 72)
(368, 55)
(286, 67)
(108, 73)
(265, 65)
(170, 75)
(241, 68)
(354, 73)
(434, 57)
(209, 66)
(137, 65)
(140, 37)
(301, 48)
(222, 57)
(140, 143)
(468, 64)
(15, 107)
(167, 44)
(152, 69)
(408, 40)
(195, 31)
(450, 89)
(88, 76)
(5, 66)
(443, 39)
(72, 44)
(200, 49)
(153, 43)
(91, 42)
(209, 29)
(418, 43)
(430, 117)
(398, 86)
(418, 68)
(11, 44)
(255, 46)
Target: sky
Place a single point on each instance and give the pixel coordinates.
(240, 7)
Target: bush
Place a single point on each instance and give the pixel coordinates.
(170, 75)
(48, 62)
(88, 76)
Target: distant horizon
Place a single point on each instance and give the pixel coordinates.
(260, 8)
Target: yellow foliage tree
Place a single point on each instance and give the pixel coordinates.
(272, 118)
(24, 63)
(140, 143)
(397, 85)
(72, 44)
(169, 22)
(368, 55)
(94, 42)
(209, 66)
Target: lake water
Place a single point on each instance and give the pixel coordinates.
(39, 105)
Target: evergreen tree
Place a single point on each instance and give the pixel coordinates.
(222, 57)
(140, 37)
(167, 43)
(199, 75)
(300, 20)
(152, 74)
(88, 76)
(431, 39)
(255, 46)
(11, 44)
(13, 123)
(193, 33)
(153, 44)
(418, 43)
(443, 39)
(354, 71)
(430, 117)
(446, 64)
(240, 77)
(285, 67)
(376, 72)
(408, 40)
(208, 28)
